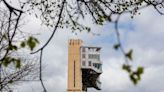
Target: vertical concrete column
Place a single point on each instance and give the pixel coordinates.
(74, 66)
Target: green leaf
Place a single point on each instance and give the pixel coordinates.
(133, 78)
(6, 61)
(141, 1)
(12, 47)
(129, 54)
(140, 70)
(116, 46)
(18, 63)
(11, 81)
(31, 42)
(126, 68)
(23, 44)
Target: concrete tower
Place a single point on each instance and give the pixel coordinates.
(84, 66)
(74, 69)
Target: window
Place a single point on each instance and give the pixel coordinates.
(98, 66)
(83, 63)
(91, 56)
(83, 49)
(83, 55)
(93, 64)
(94, 56)
(98, 57)
(90, 63)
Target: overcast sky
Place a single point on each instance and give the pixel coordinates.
(144, 34)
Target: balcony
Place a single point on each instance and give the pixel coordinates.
(98, 84)
(97, 67)
(91, 66)
(91, 61)
(91, 79)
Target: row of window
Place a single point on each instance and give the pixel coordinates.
(92, 56)
(96, 65)
(84, 49)
(84, 63)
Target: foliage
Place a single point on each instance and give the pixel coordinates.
(69, 14)
(12, 66)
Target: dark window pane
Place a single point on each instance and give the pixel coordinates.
(83, 63)
(90, 63)
(83, 55)
(83, 49)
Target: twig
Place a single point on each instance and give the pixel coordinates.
(55, 29)
(40, 74)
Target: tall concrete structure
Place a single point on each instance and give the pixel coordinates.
(84, 66)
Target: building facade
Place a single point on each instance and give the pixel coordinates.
(84, 66)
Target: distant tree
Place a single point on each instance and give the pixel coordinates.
(69, 13)
(15, 66)
(11, 77)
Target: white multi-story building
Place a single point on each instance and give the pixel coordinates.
(84, 66)
(91, 66)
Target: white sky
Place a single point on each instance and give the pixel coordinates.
(146, 38)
